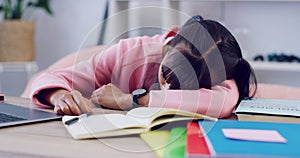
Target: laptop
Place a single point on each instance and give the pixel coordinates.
(12, 115)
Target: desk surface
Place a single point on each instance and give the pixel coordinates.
(51, 139)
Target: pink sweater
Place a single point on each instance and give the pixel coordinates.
(131, 64)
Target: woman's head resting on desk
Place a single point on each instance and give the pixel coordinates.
(203, 54)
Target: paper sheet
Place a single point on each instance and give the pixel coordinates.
(254, 135)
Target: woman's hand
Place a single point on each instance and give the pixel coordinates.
(112, 97)
(70, 103)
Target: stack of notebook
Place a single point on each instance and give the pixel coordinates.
(269, 110)
(226, 138)
(206, 137)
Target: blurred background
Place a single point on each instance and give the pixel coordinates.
(261, 27)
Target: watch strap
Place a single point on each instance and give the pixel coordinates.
(135, 103)
(136, 95)
(135, 99)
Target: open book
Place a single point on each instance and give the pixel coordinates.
(136, 121)
(271, 110)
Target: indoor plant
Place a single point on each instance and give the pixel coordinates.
(17, 34)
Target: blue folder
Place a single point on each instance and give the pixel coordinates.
(221, 146)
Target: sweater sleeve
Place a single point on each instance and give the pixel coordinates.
(109, 66)
(219, 101)
(81, 76)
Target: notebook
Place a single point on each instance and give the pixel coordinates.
(269, 107)
(176, 143)
(231, 138)
(11, 115)
(196, 145)
(269, 110)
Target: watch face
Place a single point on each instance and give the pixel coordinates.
(139, 92)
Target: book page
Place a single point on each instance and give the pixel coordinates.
(144, 115)
(156, 116)
(101, 125)
(270, 106)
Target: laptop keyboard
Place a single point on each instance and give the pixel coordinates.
(9, 118)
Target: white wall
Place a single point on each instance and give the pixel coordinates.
(68, 30)
(264, 28)
(267, 26)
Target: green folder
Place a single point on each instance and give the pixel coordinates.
(176, 143)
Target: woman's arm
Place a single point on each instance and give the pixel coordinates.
(219, 101)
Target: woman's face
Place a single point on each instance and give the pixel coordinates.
(162, 82)
(167, 50)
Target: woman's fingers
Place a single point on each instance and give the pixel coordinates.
(98, 94)
(81, 102)
(94, 99)
(111, 97)
(57, 110)
(63, 107)
(72, 103)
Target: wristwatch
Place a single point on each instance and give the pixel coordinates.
(136, 94)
